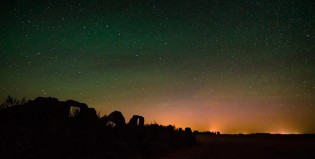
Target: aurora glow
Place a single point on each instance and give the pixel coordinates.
(232, 66)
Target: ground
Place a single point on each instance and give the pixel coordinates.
(249, 147)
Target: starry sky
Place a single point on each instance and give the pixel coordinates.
(231, 66)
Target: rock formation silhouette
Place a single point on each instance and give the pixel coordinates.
(116, 119)
(49, 128)
(47, 112)
(136, 120)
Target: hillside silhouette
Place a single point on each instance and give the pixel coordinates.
(49, 128)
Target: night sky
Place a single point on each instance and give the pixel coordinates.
(232, 66)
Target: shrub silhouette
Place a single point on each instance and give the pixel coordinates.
(10, 101)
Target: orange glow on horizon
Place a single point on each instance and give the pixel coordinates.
(223, 116)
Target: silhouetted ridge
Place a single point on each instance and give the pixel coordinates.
(49, 128)
(47, 112)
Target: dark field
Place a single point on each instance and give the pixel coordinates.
(249, 147)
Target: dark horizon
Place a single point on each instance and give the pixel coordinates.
(12, 102)
(49, 128)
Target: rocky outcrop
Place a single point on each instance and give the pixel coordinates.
(136, 120)
(47, 111)
(116, 119)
